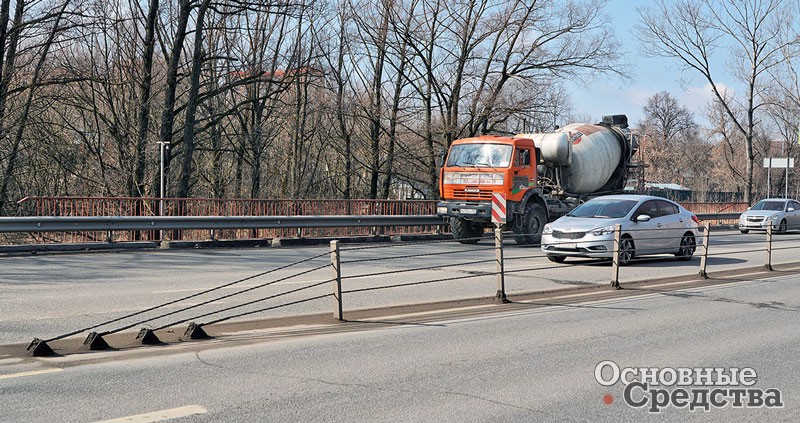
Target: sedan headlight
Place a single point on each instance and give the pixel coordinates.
(775, 218)
(464, 178)
(547, 230)
(605, 230)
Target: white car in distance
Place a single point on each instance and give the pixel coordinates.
(649, 225)
(781, 213)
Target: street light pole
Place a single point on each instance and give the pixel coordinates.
(164, 145)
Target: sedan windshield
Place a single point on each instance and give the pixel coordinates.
(769, 205)
(604, 209)
(480, 155)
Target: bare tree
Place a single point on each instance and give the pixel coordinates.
(728, 163)
(57, 27)
(672, 144)
(137, 187)
(753, 32)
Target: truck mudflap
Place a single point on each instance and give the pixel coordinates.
(478, 210)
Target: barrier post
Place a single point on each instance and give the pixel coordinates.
(337, 281)
(615, 259)
(500, 296)
(768, 266)
(704, 257)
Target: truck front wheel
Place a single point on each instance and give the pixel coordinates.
(528, 227)
(464, 231)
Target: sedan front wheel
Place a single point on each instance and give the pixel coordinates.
(626, 251)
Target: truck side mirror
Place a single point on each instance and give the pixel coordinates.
(440, 158)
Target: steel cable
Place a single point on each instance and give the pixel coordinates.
(128, 316)
(246, 304)
(132, 325)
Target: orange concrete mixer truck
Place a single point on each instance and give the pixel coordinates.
(543, 176)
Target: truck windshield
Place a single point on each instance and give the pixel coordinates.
(604, 209)
(480, 155)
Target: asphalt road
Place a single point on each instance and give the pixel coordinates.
(526, 362)
(48, 295)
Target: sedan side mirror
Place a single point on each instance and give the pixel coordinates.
(791, 209)
(643, 218)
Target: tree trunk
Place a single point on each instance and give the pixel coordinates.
(168, 114)
(137, 188)
(188, 142)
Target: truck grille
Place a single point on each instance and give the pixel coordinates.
(461, 194)
(568, 235)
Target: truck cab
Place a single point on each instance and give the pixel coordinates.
(477, 167)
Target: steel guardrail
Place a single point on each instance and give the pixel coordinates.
(717, 216)
(142, 223)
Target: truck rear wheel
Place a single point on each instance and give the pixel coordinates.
(464, 231)
(528, 227)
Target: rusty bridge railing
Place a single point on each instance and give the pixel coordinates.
(717, 213)
(149, 206)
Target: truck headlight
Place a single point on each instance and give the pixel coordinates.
(441, 210)
(605, 230)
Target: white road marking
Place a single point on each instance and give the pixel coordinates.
(160, 416)
(287, 329)
(31, 373)
(172, 291)
(426, 313)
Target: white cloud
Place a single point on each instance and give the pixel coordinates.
(697, 98)
(639, 96)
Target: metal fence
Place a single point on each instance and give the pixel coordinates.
(329, 276)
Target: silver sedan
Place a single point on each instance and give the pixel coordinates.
(649, 225)
(781, 213)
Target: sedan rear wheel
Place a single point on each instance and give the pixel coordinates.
(687, 248)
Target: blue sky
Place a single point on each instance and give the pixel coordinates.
(613, 95)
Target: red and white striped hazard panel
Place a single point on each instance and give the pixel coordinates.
(498, 207)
